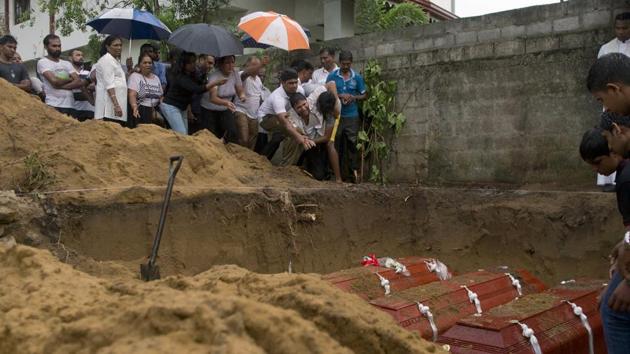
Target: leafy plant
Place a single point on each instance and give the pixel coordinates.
(71, 15)
(368, 14)
(384, 123)
(403, 15)
(93, 48)
(379, 15)
(37, 176)
(196, 11)
(74, 14)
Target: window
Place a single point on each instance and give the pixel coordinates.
(22, 11)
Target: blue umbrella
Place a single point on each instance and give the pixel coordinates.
(249, 42)
(131, 24)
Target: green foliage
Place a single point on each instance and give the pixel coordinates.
(71, 15)
(198, 11)
(368, 14)
(403, 15)
(385, 124)
(75, 14)
(24, 17)
(93, 48)
(169, 17)
(37, 176)
(379, 15)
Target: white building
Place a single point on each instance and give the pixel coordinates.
(326, 19)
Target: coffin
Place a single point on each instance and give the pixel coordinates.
(555, 325)
(364, 282)
(448, 300)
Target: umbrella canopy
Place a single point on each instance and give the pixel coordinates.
(131, 24)
(249, 42)
(274, 29)
(202, 38)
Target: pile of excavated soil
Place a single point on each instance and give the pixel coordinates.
(97, 154)
(48, 307)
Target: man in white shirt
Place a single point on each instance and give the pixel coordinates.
(274, 117)
(327, 58)
(246, 111)
(315, 118)
(83, 96)
(620, 44)
(58, 77)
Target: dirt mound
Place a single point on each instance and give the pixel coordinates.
(48, 307)
(98, 154)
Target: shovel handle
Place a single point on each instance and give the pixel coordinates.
(177, 161)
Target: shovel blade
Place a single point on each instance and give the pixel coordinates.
(148, 273)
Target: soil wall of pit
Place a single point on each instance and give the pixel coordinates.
(557, 235)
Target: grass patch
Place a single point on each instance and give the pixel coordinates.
(37, 176)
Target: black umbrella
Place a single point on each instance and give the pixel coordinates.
(202, 38)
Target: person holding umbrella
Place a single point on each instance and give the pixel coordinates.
(217, 105)
(111, 83)
(182, 87)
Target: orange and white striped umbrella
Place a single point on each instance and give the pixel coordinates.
(274, 29)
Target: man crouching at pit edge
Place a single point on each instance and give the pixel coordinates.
(274, 117)
(315, 117)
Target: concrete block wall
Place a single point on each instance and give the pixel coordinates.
(495, 98)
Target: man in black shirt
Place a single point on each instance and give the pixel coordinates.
(11, 71)
(615, 305)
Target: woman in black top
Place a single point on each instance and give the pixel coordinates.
(182, 87)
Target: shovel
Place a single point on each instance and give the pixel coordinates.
(151, 271)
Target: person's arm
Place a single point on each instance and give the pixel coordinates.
(333, 156)
(162, 75)
(244, 75)
(188, 84)
(332, 88)
(283, 116)
(289, 128)
(133, 102)
(75, 83)
(216, 83)
(620, 298)
(49, 75)
(362, 91)
(129, 65)
(55, 81)
(89, 96)
(326, 138)
(215, 99)
(623, 203)
(24, 85)
(238, 87)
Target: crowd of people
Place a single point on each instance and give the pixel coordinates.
(606, 148)
(311, 119)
